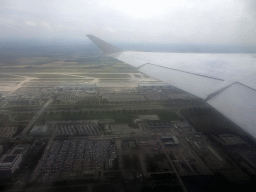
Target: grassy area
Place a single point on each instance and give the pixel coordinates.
(23, 116)
(49, 76)
(71, 69)
(37, 60)
(112, 80)
(9, 76)
(123, 116)
(63, 79)
(87, 100)
(11, 79)
(4, 119)
(107, 75)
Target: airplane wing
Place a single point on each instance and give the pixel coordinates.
(226, 81)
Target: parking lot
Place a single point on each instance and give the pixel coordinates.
(69, 156)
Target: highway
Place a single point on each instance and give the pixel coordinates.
(36, 117)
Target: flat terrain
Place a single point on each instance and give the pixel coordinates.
(89, 103)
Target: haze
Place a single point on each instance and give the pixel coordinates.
(73, 118)
(229, 22)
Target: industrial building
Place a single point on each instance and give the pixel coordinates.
(170, 140)
(182, 127)
(40, 131)
(20, 150)
(10, 162)
(229, 139)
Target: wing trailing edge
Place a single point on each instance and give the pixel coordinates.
(104, 46)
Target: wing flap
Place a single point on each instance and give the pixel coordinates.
(238, 103)
(200, 86)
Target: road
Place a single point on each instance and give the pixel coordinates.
(36, 117)
(175, 171)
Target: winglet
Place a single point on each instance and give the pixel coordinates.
(104, 46)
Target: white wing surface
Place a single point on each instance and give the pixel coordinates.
(225, 81)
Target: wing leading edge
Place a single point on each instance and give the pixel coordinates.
(226, 81)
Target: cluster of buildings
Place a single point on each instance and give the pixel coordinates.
(154, 86)
(160, 127)
(71, 87)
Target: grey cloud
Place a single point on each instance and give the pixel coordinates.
(229, 22)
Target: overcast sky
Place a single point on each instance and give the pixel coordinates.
(160, 21)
